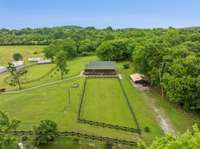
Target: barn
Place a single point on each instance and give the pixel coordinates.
(100, 68)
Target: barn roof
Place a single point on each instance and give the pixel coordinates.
(101, 65)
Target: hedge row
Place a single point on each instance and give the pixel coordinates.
(101, 124)
(82, 135)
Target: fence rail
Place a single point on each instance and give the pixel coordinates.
(101, 124)
(81, 135)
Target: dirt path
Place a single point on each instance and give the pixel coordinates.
(159, 113)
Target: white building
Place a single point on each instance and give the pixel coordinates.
(3, 69)
(44, 61)
(35, 59)
(18, 63)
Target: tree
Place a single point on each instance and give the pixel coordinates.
(17, 56)
(61, 62)
(114, 50)
(51, 50)
(16, 74)
(87, 47)
(68, 46)
(187, 140)
(45, 133)
(7, 141)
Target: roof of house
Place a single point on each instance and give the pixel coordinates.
(137, 77)
(44, 61)
(101, 65)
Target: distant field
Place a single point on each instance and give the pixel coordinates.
(6, 52)
(105, 102)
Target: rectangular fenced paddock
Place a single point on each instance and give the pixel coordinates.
(105, 102)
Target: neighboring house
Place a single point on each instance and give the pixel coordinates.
(45, 61)
(101, 68)
(35, 59)
(3, 69)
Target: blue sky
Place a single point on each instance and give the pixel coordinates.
(99, 13)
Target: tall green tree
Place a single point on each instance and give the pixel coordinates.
(114, 50)
(16, 74)
(68, 46)
(61, 62)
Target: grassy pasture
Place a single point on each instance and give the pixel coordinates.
(105, 102)
(37, 71)
(6, 52)
(51, 102)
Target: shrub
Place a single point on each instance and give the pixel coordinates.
(146, 129)
(126, 66)
(17, 56)
(45, 133)
(35, 52)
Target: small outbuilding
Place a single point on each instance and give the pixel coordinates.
(139, 79)
(101, 68)
(44, 61)
(35, 59)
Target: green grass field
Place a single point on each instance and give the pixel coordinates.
(52, 102)
(105, 102)
(6, 52)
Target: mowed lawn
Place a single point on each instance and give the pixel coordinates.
(105, 102)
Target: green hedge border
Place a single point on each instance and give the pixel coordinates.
(106, 125)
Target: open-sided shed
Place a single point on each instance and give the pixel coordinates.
(100, 68)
